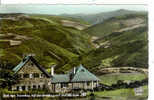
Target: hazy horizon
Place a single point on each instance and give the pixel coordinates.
(67, 9)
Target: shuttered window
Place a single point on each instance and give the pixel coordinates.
(36, 75)
(26, 75)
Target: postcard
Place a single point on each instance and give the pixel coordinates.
(74, 52)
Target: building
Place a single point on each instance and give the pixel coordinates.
(33, 76)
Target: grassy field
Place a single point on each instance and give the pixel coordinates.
(123, 94)
(110, 79)
(119, 94)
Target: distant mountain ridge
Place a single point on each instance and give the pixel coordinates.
(100, 17)
(5, 15)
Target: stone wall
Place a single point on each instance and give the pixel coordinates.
(82, 85)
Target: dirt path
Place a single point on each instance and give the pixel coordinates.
(121, 70)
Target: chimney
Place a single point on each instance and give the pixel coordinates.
(28, 54)
(74, 70)
(31, 54)
(52, 70)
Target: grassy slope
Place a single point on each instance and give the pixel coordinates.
(124, 94)
(110, 79)
(72, 46)
(112, 24)
(51, 42)
(128, 48)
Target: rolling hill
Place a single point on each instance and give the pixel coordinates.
(120, 41)
(42, 35)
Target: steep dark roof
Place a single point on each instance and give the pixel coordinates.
(81, 75)
(64, 78)
(21, 64)
(25, 60)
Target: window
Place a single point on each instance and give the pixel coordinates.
(88, 83)
(39, 87)
(64, 85)
(34, 87)
(17, 88)
(82, 70)
(42, 75)
(36, 75)
(19, 76)
(44, 86)
(26, 75)
(23, 88)
(31, 64)
(29, 87)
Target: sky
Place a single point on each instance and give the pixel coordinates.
(66, 9)
(74, 1)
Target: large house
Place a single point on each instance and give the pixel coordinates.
(33, 76)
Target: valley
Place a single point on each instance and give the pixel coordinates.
(112, 45)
